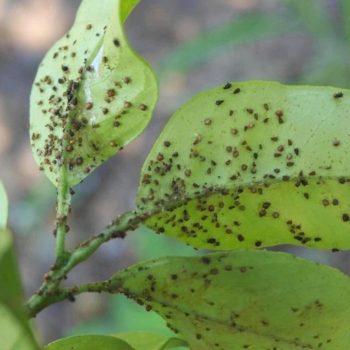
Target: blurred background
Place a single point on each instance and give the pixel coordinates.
(193, 45)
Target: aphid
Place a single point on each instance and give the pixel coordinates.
(227, 86)
(338, 94)
(207, 121)
(188, 172)
(127, 104)
(240, 237)
(88, 26)
(116, 42)
(110, 92)
(279, 115)
(336, 143)
(234, 131)
(127, 80)
(325, 202)
(113, 144)
(79, 161)
(236, 91)
(143, 107)
(89, 105)
(219, 102)
(167, 143)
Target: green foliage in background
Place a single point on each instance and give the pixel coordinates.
(328, 32)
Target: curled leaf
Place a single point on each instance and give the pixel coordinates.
(89, 342)
(253, 164)
(92, 94)
(245, 300)
(150, 341)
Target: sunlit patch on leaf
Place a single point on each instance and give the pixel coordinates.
(245, 300)
(253, 164)
(92, 94)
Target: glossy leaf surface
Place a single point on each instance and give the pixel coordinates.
(150, 341)
(253, 164)
(92, 94)
(89, 342)
(245, 300)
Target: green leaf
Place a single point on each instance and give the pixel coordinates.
(150, 341)
(253, 164)
(89, 342)
(245, 300)
(3, 207)
(92, 94)
(243, 30)
(15, 333)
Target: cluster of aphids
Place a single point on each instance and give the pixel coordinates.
(69, 109)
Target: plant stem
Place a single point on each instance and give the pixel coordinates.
(117, 229)
(63, 209)
(36, 304)
(49, 292)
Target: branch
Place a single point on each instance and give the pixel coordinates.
(129, 221)
(63, 209)
(36, 304)
(49, 292)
